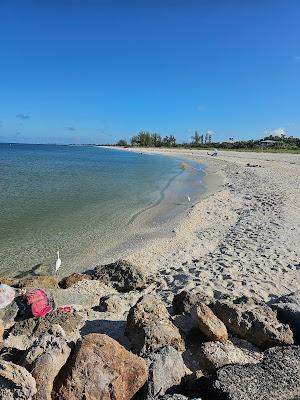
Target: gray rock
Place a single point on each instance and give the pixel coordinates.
(149, 327)
(234, 351)
(15, 382)
(277, 377)
(174, 397)
(8, 314)
(254, 322)
(288, 311)
(166, 370)
(45, 359)
(184, 301)
(122, 275)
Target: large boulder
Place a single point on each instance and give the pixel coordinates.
(184, 301)
(24, 333)
(234, 351)
(101, 368)
(72, 279)
(254, 322)
(15, 382)
(277, 377)
(45, 359)
(149, 327)
(288, 311)
(122, 275)
(210, 325)
(166, 370)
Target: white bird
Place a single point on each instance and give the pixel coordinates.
(58, 262)
(189, 199)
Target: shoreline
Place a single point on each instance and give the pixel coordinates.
(240, 238)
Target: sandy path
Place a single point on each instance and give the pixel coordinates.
(243, 239)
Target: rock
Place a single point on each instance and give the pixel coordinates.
(208, 323)
(25, 332)
(7, 280)
(73, 298)
(41, 281)
(174, 397)
(44, 360)
(149, 327)
(1, 330)
(15, 382)
(122, 275)
(254, 322)
(166, 370)
(101, 368)
(277, 377)
(70, 280)
(234, 351)
(288, 311)
(8, 314)
(185, 300)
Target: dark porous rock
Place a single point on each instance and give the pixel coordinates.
(149, 327)
(8, 314)
(185, 300)
(122, 275)
(288, 311)
(166, 370)
(210, 325)
(70, 280)
(101, 368)
(254, 322)
(23, 333)
(45, 359)
(234, 351)
(277, 377)
(15, 382)
(199, 386)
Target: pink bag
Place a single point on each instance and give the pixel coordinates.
(38, 301)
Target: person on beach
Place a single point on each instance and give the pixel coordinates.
(214, 153)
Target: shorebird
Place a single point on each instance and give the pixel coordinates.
(58, 262)
(189, 199)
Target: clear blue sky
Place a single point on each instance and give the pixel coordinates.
(95, 71)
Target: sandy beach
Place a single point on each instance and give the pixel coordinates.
(242, 238)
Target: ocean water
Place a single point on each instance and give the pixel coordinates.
(82, 201)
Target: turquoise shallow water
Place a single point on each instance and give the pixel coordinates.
(80, 200)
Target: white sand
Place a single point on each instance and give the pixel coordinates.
(242, 239)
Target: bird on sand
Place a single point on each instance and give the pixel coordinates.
(188, 197)
(58, 262)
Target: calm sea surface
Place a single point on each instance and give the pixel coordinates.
(79, 200)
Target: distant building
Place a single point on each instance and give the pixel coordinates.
(268, 143)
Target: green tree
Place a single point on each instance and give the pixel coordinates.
(122, 142)
(196, 139)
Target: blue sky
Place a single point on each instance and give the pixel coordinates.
(94, 71)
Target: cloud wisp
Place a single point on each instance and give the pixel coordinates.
(71, 128)
(22, 116)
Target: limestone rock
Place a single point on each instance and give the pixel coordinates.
(185, 300)
(1, 330)
(149, 327)
(254, 322)
(8, 314)
(122, 275)
(277, 377)
(166, 370)
(208, 323)
(234, 351)
(42, 281)
(15, 382)
(45, 359)
(174, 397)
(102, 369)
(25, 332)
(288, 311)
(70, 280)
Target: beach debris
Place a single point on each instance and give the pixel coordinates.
(288, 311)
(72, 279)
(7, 295)
(101, 368)
(38, 302)
(184, 301)
(16, 382)
(253, 321)
(277, 377)
(122, 276)
(210, 325)
(149, 327)
(58, 263)
(45, 358)
(233, 351)
(166, 370)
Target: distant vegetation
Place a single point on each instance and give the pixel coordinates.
(205, 141)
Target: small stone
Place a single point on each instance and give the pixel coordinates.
(211, 326)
